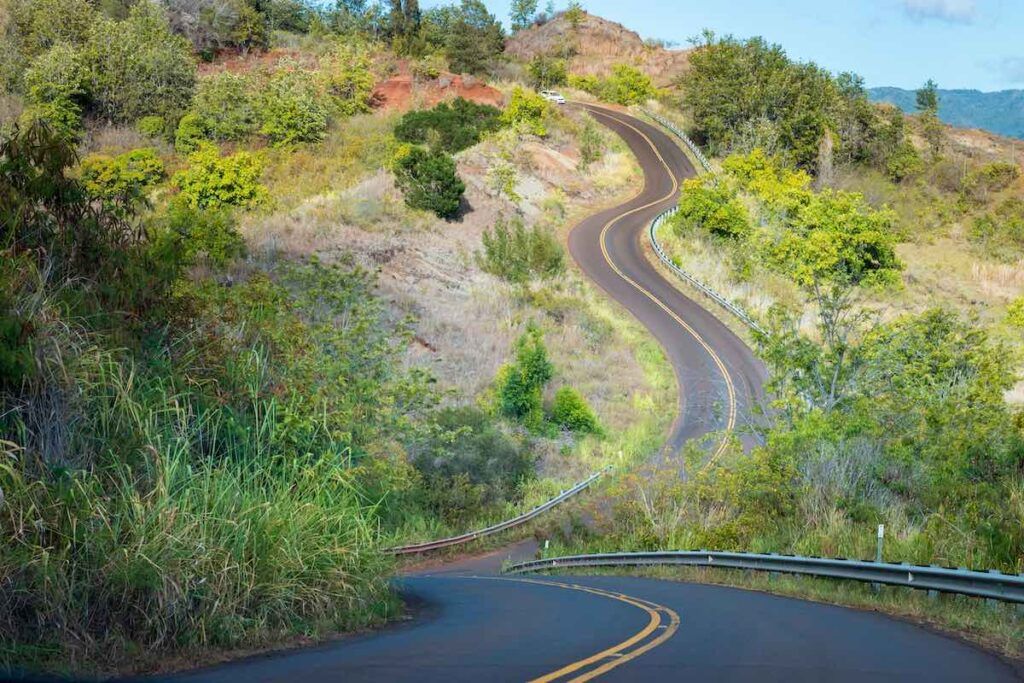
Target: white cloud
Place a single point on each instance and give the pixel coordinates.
(956, 11)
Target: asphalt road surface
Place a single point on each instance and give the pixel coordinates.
(472, 624)
(719, 378)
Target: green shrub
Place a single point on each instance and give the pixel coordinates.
(201, 234)
(521, 382)
(152, 126)
(586, 83)
(904, 162)
(346, 76)
(139, 66)
(57, 73)
(1001, 231)
(449, 127)
(122, 179)
(591, 144)
(571, 411)
(627, 85)
(62, 116)
(214, 181)
(471, 464)
(547, 72)
(515, 253)
(190, 133)
(1015, 313)
(429, 181)
(291, 108)
(983, 181)
(225, 104)
(429, 67)
(527, 111)
(711, 206)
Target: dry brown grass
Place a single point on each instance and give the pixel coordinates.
(465, 320)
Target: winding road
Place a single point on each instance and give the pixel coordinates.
(470, 623)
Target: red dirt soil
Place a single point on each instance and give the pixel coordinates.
(402, 92)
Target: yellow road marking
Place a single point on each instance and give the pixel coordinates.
(615, 653)
(730, 387)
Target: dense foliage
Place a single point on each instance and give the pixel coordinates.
(429, 180)
(818, 239)
(527, 112)
(449, 126)
(748, 94)
(626, 85)
(214, 181)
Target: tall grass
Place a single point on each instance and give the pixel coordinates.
(159, 550)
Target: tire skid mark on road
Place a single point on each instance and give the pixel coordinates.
(663, 624)
(716, 359)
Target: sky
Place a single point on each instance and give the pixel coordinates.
(977, 44)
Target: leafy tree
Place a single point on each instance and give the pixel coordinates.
(547, 72)
(927, 97)
(575, 14)
(215, 24)
(516, 253)
(449, 126)
(55, 85)
(730, 83)
(139, 67)
(713, 207)
(215, 181)
(475, 38)
(429, 181)
(521, 382)
(527, 111)
(927, 101)
(522, 13)
(627, 85)
(347, 78)
(291, 109)
(226, 105)
(571, 411)
(38, 25)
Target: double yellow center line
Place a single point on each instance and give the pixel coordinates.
(729, 384)
(662, 625)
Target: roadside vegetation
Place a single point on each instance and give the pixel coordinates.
(258, 323)
(888, 399)
(219, 402)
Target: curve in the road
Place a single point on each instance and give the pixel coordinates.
(623, 628)
(719, 379)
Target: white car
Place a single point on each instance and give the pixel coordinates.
(552, 96)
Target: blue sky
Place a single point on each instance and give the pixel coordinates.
(960, 43)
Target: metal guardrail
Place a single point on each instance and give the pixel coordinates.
(693, 281)
(500, 526)
(682, 136)
(991, 584)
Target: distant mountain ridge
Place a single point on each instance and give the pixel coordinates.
(997, 112)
